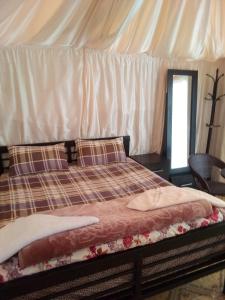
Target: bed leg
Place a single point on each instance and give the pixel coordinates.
(137, 278)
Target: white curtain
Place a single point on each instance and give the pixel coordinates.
(62, 93)
(92, 68)
(40, 94)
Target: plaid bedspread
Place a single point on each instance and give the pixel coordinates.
(25, 195)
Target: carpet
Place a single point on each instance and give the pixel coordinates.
(206, 288)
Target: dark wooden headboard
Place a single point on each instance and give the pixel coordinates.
(69, 145)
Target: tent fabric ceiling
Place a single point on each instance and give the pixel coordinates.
(72, 61)
(191, 29)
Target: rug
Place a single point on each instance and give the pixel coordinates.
(206, 288)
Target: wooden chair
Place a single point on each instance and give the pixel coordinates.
(201, 166)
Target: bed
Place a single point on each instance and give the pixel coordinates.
(134, 265)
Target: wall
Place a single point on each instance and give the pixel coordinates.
(63, 93)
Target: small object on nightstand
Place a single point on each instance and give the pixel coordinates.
(155, 162)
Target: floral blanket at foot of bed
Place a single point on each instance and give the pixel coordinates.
(10, 269)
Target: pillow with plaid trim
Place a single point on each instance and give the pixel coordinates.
(100, 152)
(36, 159)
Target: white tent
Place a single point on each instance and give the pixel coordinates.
(89, 68)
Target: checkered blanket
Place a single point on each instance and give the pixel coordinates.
(25, 195)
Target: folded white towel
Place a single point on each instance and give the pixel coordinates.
(168, 196)
(23, 231)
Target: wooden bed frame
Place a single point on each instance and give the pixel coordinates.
(139, 286)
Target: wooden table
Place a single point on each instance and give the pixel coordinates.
(223, 172)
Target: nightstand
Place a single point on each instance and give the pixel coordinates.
(154, 162)
(182, 180)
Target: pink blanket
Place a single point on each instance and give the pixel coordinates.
(116, 221)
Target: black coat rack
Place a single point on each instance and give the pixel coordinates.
(213, 97)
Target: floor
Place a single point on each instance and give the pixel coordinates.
(207, 288)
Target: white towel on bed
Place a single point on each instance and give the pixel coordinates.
(23, 231)
(170, 195)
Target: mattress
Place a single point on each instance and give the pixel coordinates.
(156, 266)
(11, 269)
